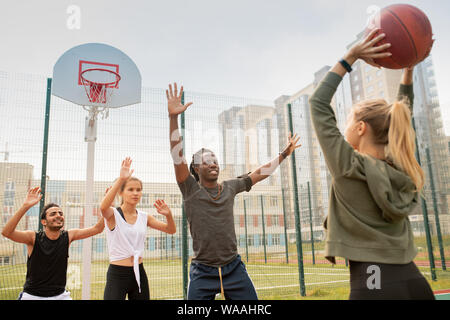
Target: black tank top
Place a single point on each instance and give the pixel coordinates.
(47, 266)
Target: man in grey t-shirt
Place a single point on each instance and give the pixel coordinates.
(211, 221)
(216, 266)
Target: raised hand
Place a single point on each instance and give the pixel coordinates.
(292, 145)
(367, 51)
(174, 105)
(162, 208)
(33, 197)
(125, 172)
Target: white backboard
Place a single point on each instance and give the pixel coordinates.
(67, 83)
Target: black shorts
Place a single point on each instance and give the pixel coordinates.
(378, 281)
(121, 281)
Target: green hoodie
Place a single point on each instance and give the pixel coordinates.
(369, 200)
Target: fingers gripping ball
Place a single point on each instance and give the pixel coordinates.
(408, 30)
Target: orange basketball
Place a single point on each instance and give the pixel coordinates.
(409, 32)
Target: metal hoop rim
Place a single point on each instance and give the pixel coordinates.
(118, 77)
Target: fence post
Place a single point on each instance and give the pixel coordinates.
(297, 212)
(245, 224)
(286, 241)
(44, 151)
(263, 228)
(436, 211)
(184, 242)
(425, 217)
(311, 224)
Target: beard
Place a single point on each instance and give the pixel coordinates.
(55, 227)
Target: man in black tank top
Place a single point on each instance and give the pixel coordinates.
(48, 250)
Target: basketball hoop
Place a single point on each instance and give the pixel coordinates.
(98, 86)
(91, 71)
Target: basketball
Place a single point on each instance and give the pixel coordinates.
(409, 32)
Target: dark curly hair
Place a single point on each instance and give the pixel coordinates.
(46, 207)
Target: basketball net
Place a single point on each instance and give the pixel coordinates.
(99, 85)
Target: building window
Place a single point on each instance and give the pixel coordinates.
(161, 243)
(145, 200)
(276, 240)
(275, 221)
(273, 201)
(9, 194)
(5, 260)
(370, 89)
(56, 197)
(74, 198)
(250, 241)
(175, 200)
(369, 78)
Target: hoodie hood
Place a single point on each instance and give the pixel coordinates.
(393, 190)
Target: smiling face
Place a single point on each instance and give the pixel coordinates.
(209, 169)
(132, 192)
(54, 219)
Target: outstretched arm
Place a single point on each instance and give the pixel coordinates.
(266, 170)
(338, 153)
(168, 227)
(105, 207)
(175, 107)
(9, 230)
(79, 234)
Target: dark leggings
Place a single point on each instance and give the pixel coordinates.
(121, 281)
(378, 281)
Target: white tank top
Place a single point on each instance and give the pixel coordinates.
(127, 240)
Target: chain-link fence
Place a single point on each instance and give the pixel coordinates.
(278, 223)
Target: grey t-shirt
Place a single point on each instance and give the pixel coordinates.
(211, 221)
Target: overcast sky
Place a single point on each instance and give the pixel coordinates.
(255, 49)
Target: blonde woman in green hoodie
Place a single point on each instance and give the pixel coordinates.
(376, 182)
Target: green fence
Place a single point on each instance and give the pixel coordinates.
(278, 223)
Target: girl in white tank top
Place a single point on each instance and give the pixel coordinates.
(125, 233)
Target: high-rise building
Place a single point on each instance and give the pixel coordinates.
(310, 163)
(431, 136)
(250, 139)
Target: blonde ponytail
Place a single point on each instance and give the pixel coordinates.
(401, 147)
(392, 127)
